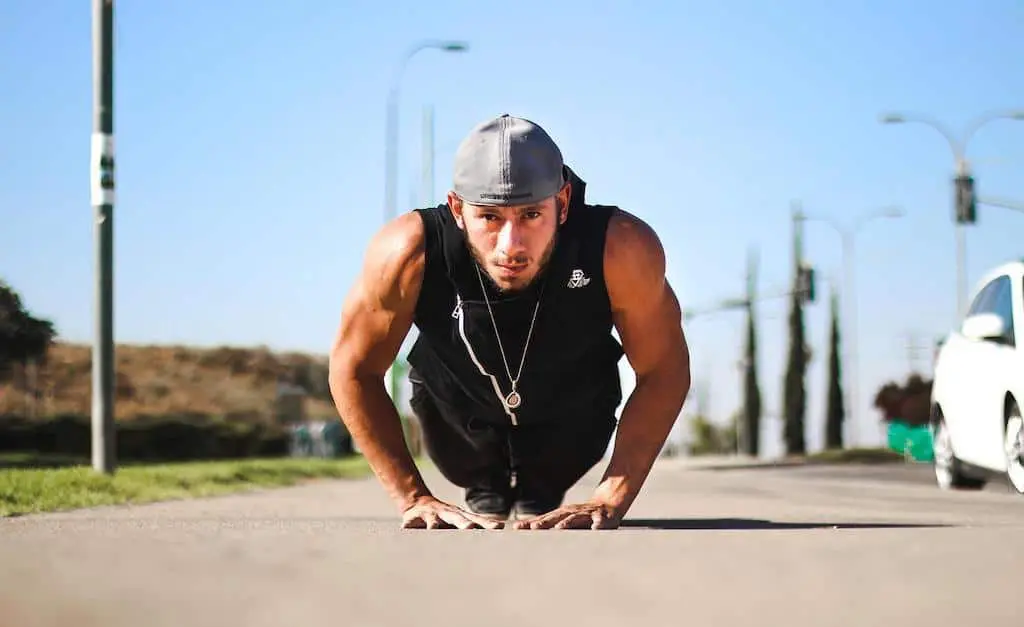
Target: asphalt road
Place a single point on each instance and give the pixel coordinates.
(910, 473)
(790, 546)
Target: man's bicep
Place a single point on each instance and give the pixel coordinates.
(370, 333)
(646, 311)
(378, 310)
(650, 328)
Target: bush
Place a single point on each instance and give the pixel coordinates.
(909, 403)
(708, 438)
(148, 438)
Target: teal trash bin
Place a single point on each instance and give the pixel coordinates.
(333, 439)
(913, 441)
(897, 435)
(919, 443)
(300, 442)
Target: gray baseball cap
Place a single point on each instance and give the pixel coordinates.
(507, 161)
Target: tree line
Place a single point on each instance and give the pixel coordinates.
(909, 402)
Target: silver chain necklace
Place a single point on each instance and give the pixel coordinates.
(514, 398)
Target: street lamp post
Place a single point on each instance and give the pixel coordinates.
(847, 235)
(391, 175)
(962, 167)
(391, 151)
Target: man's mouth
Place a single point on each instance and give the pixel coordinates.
(512, 269)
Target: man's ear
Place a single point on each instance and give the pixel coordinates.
(562, 202)
(455, 206)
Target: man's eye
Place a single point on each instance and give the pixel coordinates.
(532, 215)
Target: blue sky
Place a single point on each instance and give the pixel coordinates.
(250, 145)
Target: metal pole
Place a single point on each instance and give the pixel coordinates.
(391, 156)
(961, 239)
(961, 269)
(428, 156)
(1005, 203)
(850, 310)
(102, 166)
(391, 147)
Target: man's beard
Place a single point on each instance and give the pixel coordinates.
(545, 261)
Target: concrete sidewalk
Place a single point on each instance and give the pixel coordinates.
(701, 548)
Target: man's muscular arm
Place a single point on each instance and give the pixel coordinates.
(375, 319)
(649, 321)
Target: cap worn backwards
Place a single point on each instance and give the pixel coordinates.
(507, 161)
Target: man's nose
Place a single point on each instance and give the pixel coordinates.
(510, 238)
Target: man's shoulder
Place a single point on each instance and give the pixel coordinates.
(399, 246)
(628, 236)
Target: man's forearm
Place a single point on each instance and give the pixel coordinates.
(647, 419)
(376, 428)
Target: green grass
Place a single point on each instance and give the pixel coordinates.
(35, 490)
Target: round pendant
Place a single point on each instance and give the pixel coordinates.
(513, 400)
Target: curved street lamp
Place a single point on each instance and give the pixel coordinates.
(958, 146)
(391, 148)
(391, 155)
(847, 234)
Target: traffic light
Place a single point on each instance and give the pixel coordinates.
(805, 283)
(965, 203)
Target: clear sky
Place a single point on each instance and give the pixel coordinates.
(250, 145)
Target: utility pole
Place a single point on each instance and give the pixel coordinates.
(102, 175)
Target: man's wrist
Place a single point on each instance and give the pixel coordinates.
(406, 499)
(613, 493)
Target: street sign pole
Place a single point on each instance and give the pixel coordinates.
(102, 196)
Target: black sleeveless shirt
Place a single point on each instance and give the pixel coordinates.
(571, 364)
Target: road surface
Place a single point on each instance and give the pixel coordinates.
(853, 546)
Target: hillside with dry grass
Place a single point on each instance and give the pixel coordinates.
(230, 382)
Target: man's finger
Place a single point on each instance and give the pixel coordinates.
(577, 520)
(413, 519)
(547, 521)
(543, 521)
(432, 520)
(484, 522)
(413, 522)
(457, 520)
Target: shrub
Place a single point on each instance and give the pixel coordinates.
(909, 403)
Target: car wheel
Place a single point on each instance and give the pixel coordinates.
(1013, 445)
(949, 473)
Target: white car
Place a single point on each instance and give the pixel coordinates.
(978, 387)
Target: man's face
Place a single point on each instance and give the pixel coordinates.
(512, 244)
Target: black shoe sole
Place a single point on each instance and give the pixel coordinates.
(489, 504)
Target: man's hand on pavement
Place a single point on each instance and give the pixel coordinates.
(589, 515)
(430, 513)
